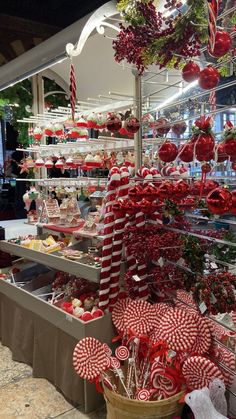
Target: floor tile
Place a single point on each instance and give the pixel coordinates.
(76, 414)
(11, 370)
(33, 398)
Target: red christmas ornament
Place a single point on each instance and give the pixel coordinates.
(221, 154)
(223, 44)
(165, 190)
(190, 71)
(136, 193)
(209, 78)
(179, 128)
(233, 208)
(162, 126)
(132, 125)
(168, 152)
(219, 201)
(150, 192)
(186, 153)
(206, 168)
(196, 187)
(204, 146)
(181, 189)
(210, 185)
(113, 123)
(123, 131)
(230, 147)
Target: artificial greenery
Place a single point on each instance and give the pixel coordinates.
(21, 94)
(224, 252)
(194, 254)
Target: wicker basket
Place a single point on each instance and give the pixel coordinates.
(119, 407)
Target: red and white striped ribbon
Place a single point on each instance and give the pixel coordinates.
(212, 101)
(142, 268)
(72, 91)
(118, 239)
(109, 222)
(213, 8)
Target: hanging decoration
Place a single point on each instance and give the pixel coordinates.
(72, 90)
(213, 8)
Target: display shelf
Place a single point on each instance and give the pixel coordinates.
(53, 261)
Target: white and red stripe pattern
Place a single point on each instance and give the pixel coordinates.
(118, 238)
(203, 341)
(109, 222)
(199, 372)
(90, 359)
(139, 317)
(118, 314)
(227, 360)
(72, 90)
(213, 8)
(178, 329)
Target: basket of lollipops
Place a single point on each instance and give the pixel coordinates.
(163, 352)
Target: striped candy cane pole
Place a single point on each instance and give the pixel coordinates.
(213, 8)
(72, 90)
(114, 181)
(118, 239)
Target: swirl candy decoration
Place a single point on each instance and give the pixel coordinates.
(143, 395)
(113, 184)
(122, 353)
(72, 90)
(213, 8)
(120, 221)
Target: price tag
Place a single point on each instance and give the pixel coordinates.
(136, 278)
(213, 265)
(203, 307)
(69, 318)
(161, 261)
(213, 299)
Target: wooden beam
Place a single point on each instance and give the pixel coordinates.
(25, 26)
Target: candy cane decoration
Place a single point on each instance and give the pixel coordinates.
(213, 8)
(118, 239)
(72, 91)
(114, 181)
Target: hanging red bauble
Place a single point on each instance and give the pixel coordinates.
(209, 78)
(219, 201)
(233, 208)
(186, 153)
(162, 126)
(205, 157)
(179, 128)
(230, 146)
(223, 44)
(181, 189)
(132, 125)
(210, 185)
(135, 193)
(149, 192)
(204, 146)
(113, 123)
(206, 168)
(190, 71)
(221, 154)
(37, 133)
(168, 152)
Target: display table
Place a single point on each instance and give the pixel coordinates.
(44, 337)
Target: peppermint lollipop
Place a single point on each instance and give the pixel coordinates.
(107, 349)
(115, 363)
(122, 353)
(159, 381)
(203, 340)
(184, 297)
(143, 395)
(178, 329)
(161, 309)
(140, 317)
(118, 313)
(89, 358)
(199, 372)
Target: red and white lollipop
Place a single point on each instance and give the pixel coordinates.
(122, 353)
(227, 359)
(178, 329)
(199, 371)
(118, 313)
(203, 340)
(143, 395)
(90, 359)
(140, 317)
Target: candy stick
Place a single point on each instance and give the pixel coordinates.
(213, 7)
(118, 239)
(114, 181)
(142, 268)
